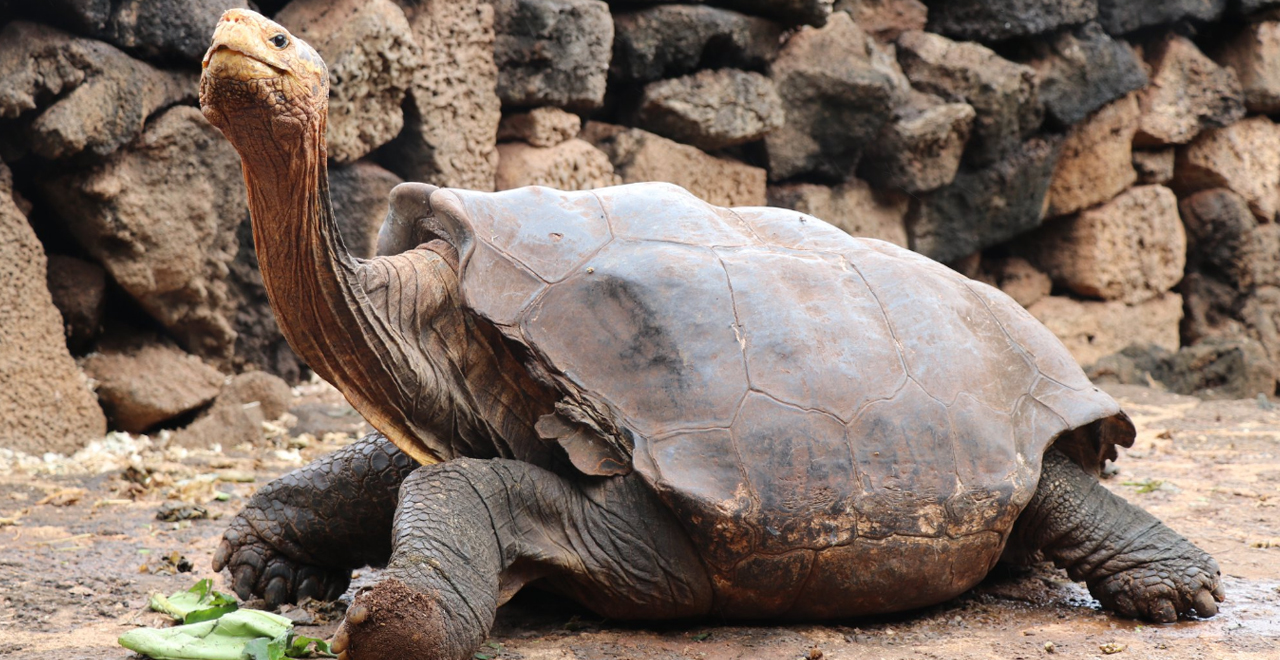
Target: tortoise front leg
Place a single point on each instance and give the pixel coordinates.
(470, 533)
(1133, 563)
(302, 534)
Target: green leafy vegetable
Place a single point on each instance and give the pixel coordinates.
(233, 636)
(199, 603)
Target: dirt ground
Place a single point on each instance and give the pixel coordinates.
(81, 549)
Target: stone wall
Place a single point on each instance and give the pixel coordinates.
(1111, 164)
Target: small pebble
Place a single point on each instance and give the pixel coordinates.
(1111, 648)
(1049, 647)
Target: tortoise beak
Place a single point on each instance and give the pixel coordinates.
(239, 50)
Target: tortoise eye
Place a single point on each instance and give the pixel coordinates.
(280, 41)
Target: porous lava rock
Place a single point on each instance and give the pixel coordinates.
(360, 192)
(1092, 329)
(1254, 55)
(1154, 165)
(571, 165)
(1231, 244)
(837, 91)
(987, 206)
(154, 29)
(1124, 16)
(1131, 249)
(1096, 162)
(1082, 69)
(790, 12)
(371, 55)
(673, 40)
(921, 148)
(1004, 94)
(1188, 93)
(1232, 286)
(995, 20)
(540, 127)
(45, 400)
(552, 52)
(236, 415)
(259, 344)
(853, 206)
(886, 19)
(79, 291)
(145, 384)
(1213, 368)
(452, 109)
(160, 215)
(90, 96)
(1244, 157)
(1247, 7)
(638, 155)
(1015, 276)
(711, 109)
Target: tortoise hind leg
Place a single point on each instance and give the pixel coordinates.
(470, 533)
(302, 534)
(1133, 563)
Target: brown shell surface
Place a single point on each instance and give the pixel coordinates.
(789, 389)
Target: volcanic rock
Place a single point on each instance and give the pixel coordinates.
(984, 207)
(1124, 16)
(45, 401)
(1244, 157)
(886, 20)
(540, 127)
(1094, 329)
(144, 385)
(1004, 94)
(79, 291)
(673, 40)
(1130, 249)
(995, 20)
(711, 109)
(571, 165)
(854, 207)
(360, 192)
(639, 155)
(1254, 54)
(100, 96)
(920, 149)
(1154, 165)
(1188, 92)
(154, 29)
(837, 91)
(1083, 69)
(452, 109)
(160, 216)
(371, 56)
(552, 52)
(1096, 163)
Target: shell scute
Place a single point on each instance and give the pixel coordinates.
(620, 328)
(801, 352)
(734, 345)
(545, 230)
(799, 470)
(663, 212)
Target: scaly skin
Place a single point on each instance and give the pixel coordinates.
(301, 535)
(1133, 563)
(468, 533)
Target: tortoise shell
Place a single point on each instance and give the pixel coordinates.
(785, 388)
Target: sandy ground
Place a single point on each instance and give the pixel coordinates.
(81, 549)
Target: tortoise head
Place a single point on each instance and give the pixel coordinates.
(261, 84)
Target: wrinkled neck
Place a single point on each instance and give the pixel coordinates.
(312, 281)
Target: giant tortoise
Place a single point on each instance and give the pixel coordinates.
(655, 406)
